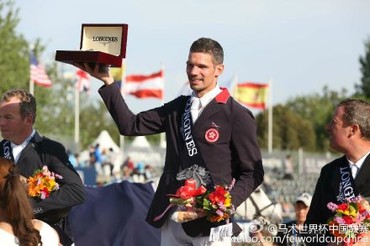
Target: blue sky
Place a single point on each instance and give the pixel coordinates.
(301, 45)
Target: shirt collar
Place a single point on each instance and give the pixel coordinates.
(25, 142)
(360, 162)
(209, 96)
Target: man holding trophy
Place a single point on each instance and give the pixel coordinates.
(213, 160)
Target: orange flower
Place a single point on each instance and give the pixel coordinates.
(42, 183)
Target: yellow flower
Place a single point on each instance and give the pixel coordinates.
(42, 183)
(350, 211)
(228, 202)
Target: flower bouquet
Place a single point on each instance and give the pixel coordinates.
(216, 204)
(351, 220)
(42, 183)
(193, 203)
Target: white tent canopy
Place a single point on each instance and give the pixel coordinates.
(140, 150)
(140, 142)
(105, 141)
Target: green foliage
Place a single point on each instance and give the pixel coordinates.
(55, 106)
(301, 122)
(13, 50)
(317, 110)
(289, 130)
(364, 87)
(94, 119)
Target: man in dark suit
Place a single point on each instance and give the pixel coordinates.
(219, 136)
(30, 151)
(349, 175)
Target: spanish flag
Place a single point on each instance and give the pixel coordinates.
(119, 73)
(252, 94)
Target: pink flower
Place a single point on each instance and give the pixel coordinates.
(332, 206)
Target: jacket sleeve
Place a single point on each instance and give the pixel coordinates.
(71, 190)
(247, 163)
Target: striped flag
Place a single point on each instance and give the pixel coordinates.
(38, 74)
(144, 86)
(83, 81)
(252, 94)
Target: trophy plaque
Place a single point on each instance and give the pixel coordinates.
(100, 44)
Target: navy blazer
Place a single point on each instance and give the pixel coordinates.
(42, 151)
(327, 189)
(235, 154)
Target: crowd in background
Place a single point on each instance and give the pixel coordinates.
(103, 161)
(282, 184)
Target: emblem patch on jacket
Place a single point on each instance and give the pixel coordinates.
(212, 134)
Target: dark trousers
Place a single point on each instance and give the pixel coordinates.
(64, 231)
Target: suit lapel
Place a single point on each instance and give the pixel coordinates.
(363, 176)
(337, 177)
(211, 109)
(214, 106)
(34, 142)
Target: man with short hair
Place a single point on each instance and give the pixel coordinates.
(206, 131)
(30, 151)
(348, 176)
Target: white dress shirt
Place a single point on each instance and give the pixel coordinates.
(198, 104)
(17, 148)
(355, 167)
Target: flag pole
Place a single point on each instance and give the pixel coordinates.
(234, 82)
(32, 86)
(162, 135)
(32, 83)
(77, 118)
(123, 81)
(270, 115)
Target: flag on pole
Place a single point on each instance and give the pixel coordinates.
(252, 94)
(83, 81)
(38, 74)
(144, 86)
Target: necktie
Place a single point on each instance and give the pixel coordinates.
(195, 106)
(354, 170)
(17, 149)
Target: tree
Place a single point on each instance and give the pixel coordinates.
(364, 87)
(55, 105)
(94, 119)
(290, 131)
(58, 113)
(318, 110)
(14, 62)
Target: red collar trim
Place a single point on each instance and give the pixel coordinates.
(223, 96)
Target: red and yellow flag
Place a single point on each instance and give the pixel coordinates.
(252, 94)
